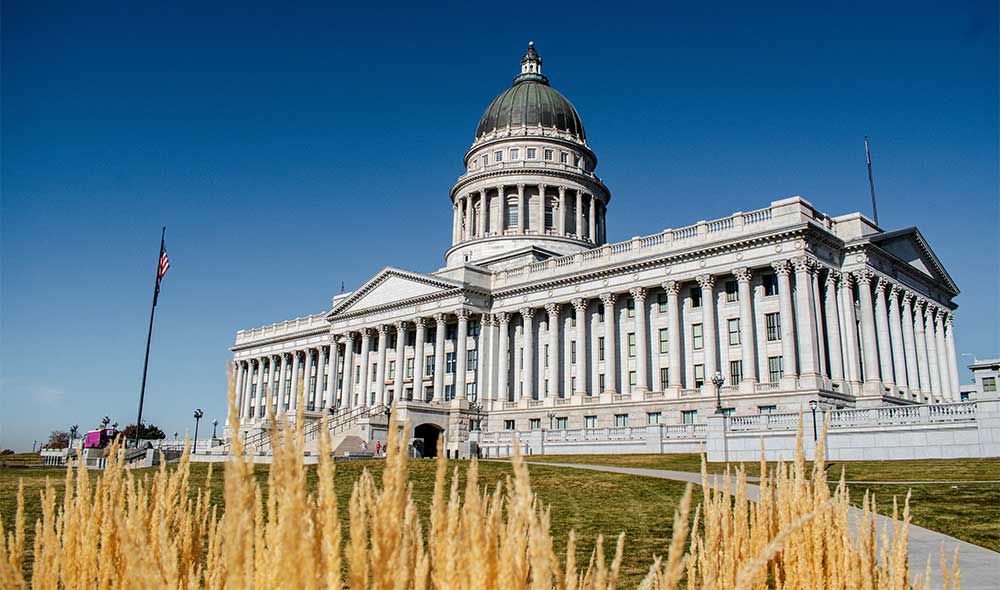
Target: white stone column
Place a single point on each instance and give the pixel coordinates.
(566, 344)
(818, 319)
(321, 361)
(257, 387)
(910, 345)
(592, 219)
(882, 333)
(481, 218)
(896, 337)
(483, 357)
(580, 307)
(461, 352)
(949, 338)
(541, 209)
(932, 352)
(873, 383)
(833, 339)
(528, 353)
(383, 342)
(456, 223)
(595, 353)
(331, 377)
(503, 378)
(248, 404)
(502, 209)
(806, 314)
(923, 359)
(708, 330)
(418, 359)
(296, 375)
(852, 355)
(610, 372)
(279, 403)
(641, 340)
(946, 393)
(364, 396)
(783, 269)
(440, 326)
(561, 210)
(238, 389)
(552, 361)
(398, 384)
(522, 209)
(347, 383)
(469, 228)
(748, 353)
(579, 215)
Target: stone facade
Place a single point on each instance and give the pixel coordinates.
(535, 322)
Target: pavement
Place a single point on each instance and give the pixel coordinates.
(980, 567)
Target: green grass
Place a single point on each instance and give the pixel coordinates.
(20, 460)
(590, 503)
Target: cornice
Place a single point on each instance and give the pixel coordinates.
(593, 183)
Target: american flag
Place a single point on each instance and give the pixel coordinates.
(164, 265)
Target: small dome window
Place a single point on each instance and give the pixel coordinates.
(532, 153)
(515, 153)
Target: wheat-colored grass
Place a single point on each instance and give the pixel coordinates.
(129, 532)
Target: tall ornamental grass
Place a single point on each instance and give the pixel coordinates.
(163, 532)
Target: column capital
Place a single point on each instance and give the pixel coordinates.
(440, 319)
(638, 293)
(939, 314)
(908, 298)
(742, 274)
(781, 267)
(562, 191)
(487, 319)
(919, 304)
(580, 305)
(420, 322)
(527, 313)
(804, 264)
(863, 276)
(366, 333)
(400, 326)
(832, 278)
(553, 308)
(672, 287)
(949, 317)
(707, 282)
(894, 293)
(881, 285)
(462, 314)
(382, 329)
(608, 298)
(502, 318)
(520, 187)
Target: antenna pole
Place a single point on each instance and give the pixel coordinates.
(871, 181)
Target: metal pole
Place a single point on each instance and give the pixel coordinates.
(814, 424)
(871, 181)
(149, 335)
(194, 449)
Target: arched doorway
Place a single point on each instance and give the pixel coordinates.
(430, 433)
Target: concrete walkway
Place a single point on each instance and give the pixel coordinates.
(980, 567)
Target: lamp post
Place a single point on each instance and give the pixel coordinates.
(72, 434)
(813, 404)
(475, 407)
(551, 416)
(215, 424)
(197, 418)
(717, 381)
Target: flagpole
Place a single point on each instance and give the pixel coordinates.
(149, 335)
(871, 182)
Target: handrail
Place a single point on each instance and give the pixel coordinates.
(340, 421)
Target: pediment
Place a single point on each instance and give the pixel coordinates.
(910, 246)
(392, 285)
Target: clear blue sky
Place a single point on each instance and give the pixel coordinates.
(290, 147)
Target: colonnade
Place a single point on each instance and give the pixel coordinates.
(474, 215)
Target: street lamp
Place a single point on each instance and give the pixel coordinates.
(718, 380)
(813, 404)
(215, 423)
(551, 416)
(475, 407)
(72, 434)
(197, 418)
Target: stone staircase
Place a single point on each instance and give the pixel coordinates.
(342, 426)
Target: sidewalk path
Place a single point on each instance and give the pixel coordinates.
(980, 567)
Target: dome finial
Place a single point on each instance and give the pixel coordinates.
(531, 62)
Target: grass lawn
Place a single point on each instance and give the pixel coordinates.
(589, 503)
(967, 511)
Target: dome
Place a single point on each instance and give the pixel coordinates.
(531, 102)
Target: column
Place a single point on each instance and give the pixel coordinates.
(469, 229)
(748, 353)
(882, 333)
(541, 208)
(910, 344)
(331, 378)
(296, 375)
(503, 320)
(456, 223)
(932, 353)
(346, 387)
(580, 306)
(440, 324)
(610, 372)
(923, 360)
(258, 387)
(949, 338)
(808, 338)
(553, 349)
(833, 328)
(783, 269)
(522, 209)
(320, 383)
(946, 393)
(561, 211)
(873, 384)
(852, 355)
(484, 352)
(579, 215)
(528, 353)
(676, 334)
(641, 340)
(418, 359)
(502, 208)
(592, 220)
(481, 218)
(818, 319)
(365, 397)
(896, 338)
(240, 400)
(461, 353)
(383, 341)
(282, 388)
(400, 361)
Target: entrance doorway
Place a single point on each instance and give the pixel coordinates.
(430, 433)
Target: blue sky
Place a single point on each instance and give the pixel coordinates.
(289, 148)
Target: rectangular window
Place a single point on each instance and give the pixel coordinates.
(572, 352)
(429, 366)
(621, 420)
(735, 372)
(767, 409)
(600, 313)
(631, 381)
(451, 332)
(534, 423)
(770, 284)
(734, 331)
(664, 376)
(631, 345)
(449, 363)
(508, 425)
(512, 215)
(562, 423)
(732, 292)
(532, 153)
(772, 321)
(374, 376)
(473, 328)
(989, 384)
(514, 153)
(471, 392)
(411, 338)
(697, 338)
(600, 348)
(449, 392)
(661, 302)
(472, 360)
(699, 375)
(600, 382)
(546, 355)
(391, 341)
(498, 156)
(728, 411)
(392, 369)
(689, 416)
(775, 368)
(486, 160)
(653, 417)
(548, 155)
(630, 306)
(695, 296)
(590, 421)
(564, 157)
(664, 341)
(409, 368)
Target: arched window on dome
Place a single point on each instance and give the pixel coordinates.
(512, 213)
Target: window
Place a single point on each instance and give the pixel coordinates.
(653, 417)
(699, 375)
(508, 425)
(429, 366)
(600, 348)
(630, 306)
(631, 381)
(391, 342)
(449, 392)
(449, 363)
(472, 360)
(564, 157)
(392, 369)
(767, 409)
(773, 323)
(473, 328)
(548, 155)
(532, 153)
(514, 153)
(728, 411)
(661, 302)
(590, 421)
(770, 284)
(631, 345)
(409, 368)
(989, 383)
(621, 420)
(545, 355)
(498, 156)
(562, 423)
(664, 377)
(471, 392)
(451, 332)
(695, 296)
(732, 292)
(734, 331)
(697, 338)
(512, 215)
(600, 382)
(600, 313)
(374, 376)
(534, 423)
(664, 341)
(775, 368)
(735, 372)
(486, 160)
(576, 161)
(964, 397)
(411, 338)
(689, 416)
(572, 352)
(549, 215)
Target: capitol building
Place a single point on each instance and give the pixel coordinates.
(536, 322)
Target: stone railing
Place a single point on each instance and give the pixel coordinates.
(306, 324)
(859, 417)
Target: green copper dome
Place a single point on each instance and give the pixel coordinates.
(531, 102)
